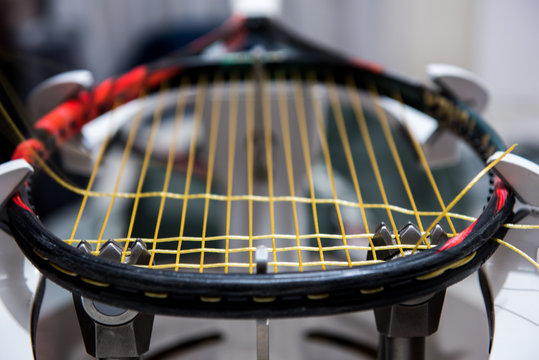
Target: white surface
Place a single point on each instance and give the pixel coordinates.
(15, 339)
(256, 8)
(515, 285)
(517, 318)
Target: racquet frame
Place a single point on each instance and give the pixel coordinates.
(260, 295)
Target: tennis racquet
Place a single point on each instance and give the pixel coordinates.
(252, 138)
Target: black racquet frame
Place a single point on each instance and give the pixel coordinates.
(280, 294)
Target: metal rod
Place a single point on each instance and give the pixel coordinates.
(401, 348)
(262, 325)
(262, 339)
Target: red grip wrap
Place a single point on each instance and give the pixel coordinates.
(155, 78)
(29, 149)
(128, 86)
(365, 64)
(501, 194)
(233, 24)
(117, 91)
(236, 41)
(100, 99)
(17, 200)
(455, 240)
(65, 121)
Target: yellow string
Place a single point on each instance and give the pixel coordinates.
(93, 175)
(11, 123)
(300, 113)
(127, 152)
(232, 123)
(293, 199)
(249, 124)
(395, 153)
(424, 163)
(319, 118)
(17, 104)
(285, 129)
(522, 226)
(462, 193)
(268, 141)
(145, 162)
(178, 118)
(199, 108)
(518, 251)
(341, 127)
(262, 198)
(262, 237)
(360, 118)
(215, 117)
(42, 164)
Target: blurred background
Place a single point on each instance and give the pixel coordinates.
(495, 40)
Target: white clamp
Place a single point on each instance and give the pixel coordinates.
(520, 174)
(57, 89)
(461, 84)
(17, 287)
(77, 157)
(439, 146)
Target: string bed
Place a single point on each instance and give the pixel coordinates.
(248, 161)
(319, 166)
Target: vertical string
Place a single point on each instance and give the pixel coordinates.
(146, 160)
(360, 117)
(90, 184)
(232, 124)
(126, 153)
(285, 129)
(178, 118)
(268, 141)
(302, 123)
(461, 194)
(423, 159)
(199, 108)
(395, 153)
(214, 130)
(319, 117)
(249, 125)
(341, 127)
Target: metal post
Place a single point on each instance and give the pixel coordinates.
(262, 325)
(399, 348)
(110, 332)
(403, 327)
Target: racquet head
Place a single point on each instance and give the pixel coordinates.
(253, 138)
